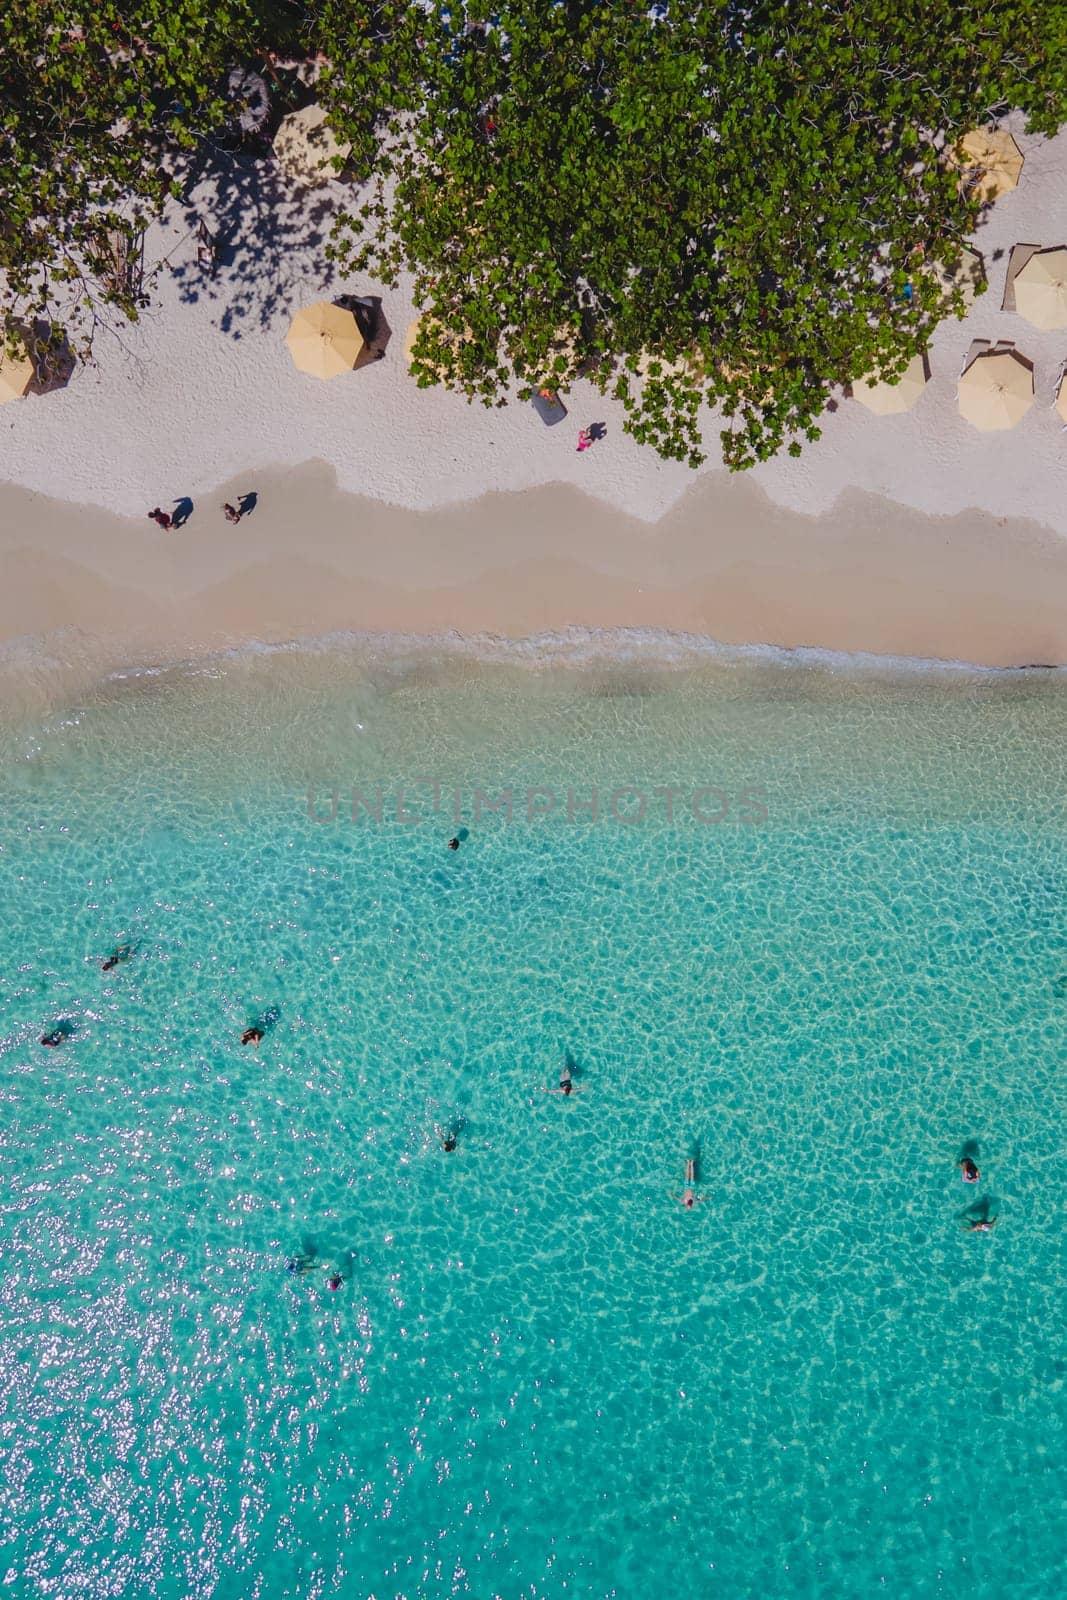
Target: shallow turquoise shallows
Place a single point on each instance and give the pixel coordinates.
(540, 1376)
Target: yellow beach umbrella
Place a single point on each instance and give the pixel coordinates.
(991, 162)
(305, 146)
(17, 372)
(889, 399)
(996, 391)
(437, 329)
(324, 340)
(1041, 289)
(690, 365)
(966, 276)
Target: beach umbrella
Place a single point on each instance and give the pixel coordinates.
(1041, 289)
(439, 331)
(688, 365)
(17, 372)
(991, 162)
(889, 399)
(966, 275)
(305, 147)
(996, 391)
(324, 340)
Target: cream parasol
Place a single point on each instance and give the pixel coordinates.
(437, 329)
(889, 399)
(996, 391)
(324, 340)
(305, 146)
(990, 160)
(1041, 289)
(17, 372)
(690, 365)
(966, 276)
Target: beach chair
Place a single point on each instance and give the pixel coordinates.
(123, 262)
(207, 249)
(548, 405)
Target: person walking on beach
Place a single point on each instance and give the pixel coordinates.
(584, 441)
(164, 518)
(232, 513)
(689, 1197)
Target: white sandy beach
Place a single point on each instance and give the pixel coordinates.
(906, 555)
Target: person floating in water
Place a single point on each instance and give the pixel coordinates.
(252, 1036)
(969, 1171)
(980, 1224)
(689, 1197)
(123, 953)
(566, 1083)
(302, 1262)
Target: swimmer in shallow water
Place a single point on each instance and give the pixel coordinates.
(980, 1224)
(447, 1137)
(689, 1197)
(334, 1281)
(299, 1264)
(56, 1037)
(123, 953)
(566, 1083)
(969, 1170)
(252, 1036)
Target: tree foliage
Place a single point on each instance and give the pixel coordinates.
(738, 203)
(98, 101)
(724, 202)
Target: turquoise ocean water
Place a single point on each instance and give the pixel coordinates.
(540, 1376)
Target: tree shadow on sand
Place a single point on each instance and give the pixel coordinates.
(270, 238)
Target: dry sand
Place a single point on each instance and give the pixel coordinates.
(486, 521)
(202, 388)
(95, 592)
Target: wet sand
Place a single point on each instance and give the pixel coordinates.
(94, 592)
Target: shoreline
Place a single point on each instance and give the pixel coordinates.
(88, 593)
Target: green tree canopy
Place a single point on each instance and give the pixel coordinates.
(737, 203)
(97, 100)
